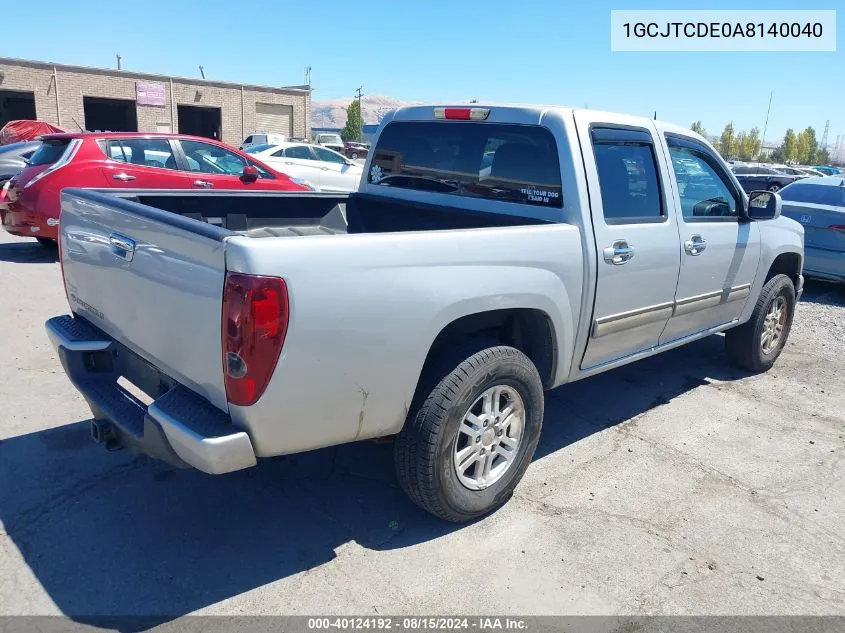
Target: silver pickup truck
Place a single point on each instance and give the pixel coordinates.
(491, 253)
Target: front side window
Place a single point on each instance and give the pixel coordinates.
(704, 191)
(328, 155)
(627, 170)
(497, 161)
(248, 140)
(212, 159)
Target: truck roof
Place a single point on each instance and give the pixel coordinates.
(525, 113)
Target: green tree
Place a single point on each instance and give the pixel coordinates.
(698, 128)
(812, 146)
(755, 143)
(352, 130)
(789, 147)
(803, 149)
(727, 142)
(743, 151)
(822, 157)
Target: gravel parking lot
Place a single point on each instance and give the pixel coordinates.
(677, 485)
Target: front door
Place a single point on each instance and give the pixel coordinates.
(719, 251)
(636, 236)
(334, 171)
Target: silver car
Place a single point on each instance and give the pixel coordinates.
(819, 204)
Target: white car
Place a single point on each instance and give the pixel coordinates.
(320, 167)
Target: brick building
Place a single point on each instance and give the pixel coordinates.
(117, 100)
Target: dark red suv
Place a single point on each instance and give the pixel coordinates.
(29, 203)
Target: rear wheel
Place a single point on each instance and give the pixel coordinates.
(774, 187)
(354, 156)
(46, 242)
(467, 446)
(756, 344)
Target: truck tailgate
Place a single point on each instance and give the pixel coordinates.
(152, 280)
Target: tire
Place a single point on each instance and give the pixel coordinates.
(354, 156)
(745, 344)
(774, 187)
(426, 449)
(46, 242)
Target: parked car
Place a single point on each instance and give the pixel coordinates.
(355, 150)
(434, 305)
(761, 177)
(13, 158)
(811, 172)
(819, 205)
(827, 170)
(320, 167)
(256, 139)
(790, 171)
(330, 140)
(126, 160)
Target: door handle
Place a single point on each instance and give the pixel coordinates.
(695, 245)
(203, 183)
(122, 246)
(123, 177)
(287, 162)
(618, 253)
(324, 168)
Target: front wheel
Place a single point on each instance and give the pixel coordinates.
(774, 187)
(462, 453)
(756, 344)
(354, 156)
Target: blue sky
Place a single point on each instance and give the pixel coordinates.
(541, 51)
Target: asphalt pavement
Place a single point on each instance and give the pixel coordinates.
(677, 485)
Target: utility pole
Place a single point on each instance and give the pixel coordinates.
(766, 125)
(360, 114)
(823, 144)
(119, 57)
(202, 71)
(308, 76)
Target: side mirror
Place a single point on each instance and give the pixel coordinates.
(250, 173)
(764, 205)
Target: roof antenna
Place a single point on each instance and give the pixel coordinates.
(77, 124)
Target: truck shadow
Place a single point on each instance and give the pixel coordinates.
(28, 252)
(110, 535)
(823, 292)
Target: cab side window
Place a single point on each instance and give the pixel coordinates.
(628, 178)
(704, 187)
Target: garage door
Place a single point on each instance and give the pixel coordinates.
(270, 117)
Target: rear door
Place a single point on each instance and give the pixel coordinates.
(719, 252)
(142, 163)
(153, 280)
(820, 208)
(636, 236)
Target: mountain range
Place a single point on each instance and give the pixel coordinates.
(332, 112)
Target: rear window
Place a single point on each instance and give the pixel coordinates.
(509, 162)
(49, 152)
(814, 194)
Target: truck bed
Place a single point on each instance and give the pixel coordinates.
(261, 215)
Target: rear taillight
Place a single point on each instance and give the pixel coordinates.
(255, 321)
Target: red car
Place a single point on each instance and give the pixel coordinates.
(29, 203)
(355, 150)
